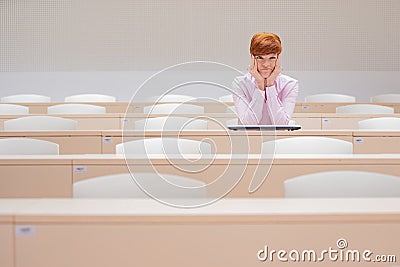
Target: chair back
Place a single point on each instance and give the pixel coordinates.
(364, 109)
(337, 184)
(40, 123)
(380, 124)
(167, 146)
(170, 124)
(330, 98)
(386, 98)
(125, 186)
(27, 146)
(26, 98)
(76, 109)
(11, 109)
(307, 145)
(90, 98)
(171, 108)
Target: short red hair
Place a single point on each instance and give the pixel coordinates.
(264, 43)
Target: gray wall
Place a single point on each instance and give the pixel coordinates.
(64, 47)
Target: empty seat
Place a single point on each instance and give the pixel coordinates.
(386, 98)
(26, 98)
(27, 146)
(170, 123)
(342, 184)
(124, 186)
(307, 145)
(382, 124)
(232, 122)
(364, 109)
(90, 98)
(330, 98)
(163, 146)
(173, 109)
(40, 123)
(231, 109)
(11, 109)
(170, 99)
(226, 98)
(76, 109)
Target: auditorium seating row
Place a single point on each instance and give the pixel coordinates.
(225, 175)
(324, 97)
(218, 121)
(104, 142)
(207, 107)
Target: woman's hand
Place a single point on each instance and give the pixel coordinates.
(253, 70)
(274, 74)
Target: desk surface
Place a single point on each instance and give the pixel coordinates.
(223, 207)
(228, 233)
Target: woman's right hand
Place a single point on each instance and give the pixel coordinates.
(253, 70)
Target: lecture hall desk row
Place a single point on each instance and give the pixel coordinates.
(53, 176)
(216, 121)
(209, 107)
(230, 232)
(113, 121)
(104, 142)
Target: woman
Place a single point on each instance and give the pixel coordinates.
(264, 95)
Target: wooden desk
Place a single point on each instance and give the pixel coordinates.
(40, 176)
(52, 176)
(376, 142)
(115, 121)
(7, 238)
(70, 142)
(97, 142)
(230, 232)
(226, 141)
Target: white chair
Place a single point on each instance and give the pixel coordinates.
(76, 109)
(27, 146)
(231, 110)
(90, 98)
(226, 98)
(170, 99)
(386, 98)
(170, 124)
(124, 186)
(173, 109)
(337, 184)
(307, 145)
(40, 123)
(232, 122)
(364, 109)
(163, 146)
(11, 109)
(26, 98)
(330, 98)
(384, 123)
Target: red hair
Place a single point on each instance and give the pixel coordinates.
(264, 43)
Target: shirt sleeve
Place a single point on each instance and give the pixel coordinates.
(281, 110)
(249, 101)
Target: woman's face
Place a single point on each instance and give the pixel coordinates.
(266, 64)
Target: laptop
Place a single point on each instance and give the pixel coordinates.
(264, 127)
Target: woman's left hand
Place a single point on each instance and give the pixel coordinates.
(274, 74)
